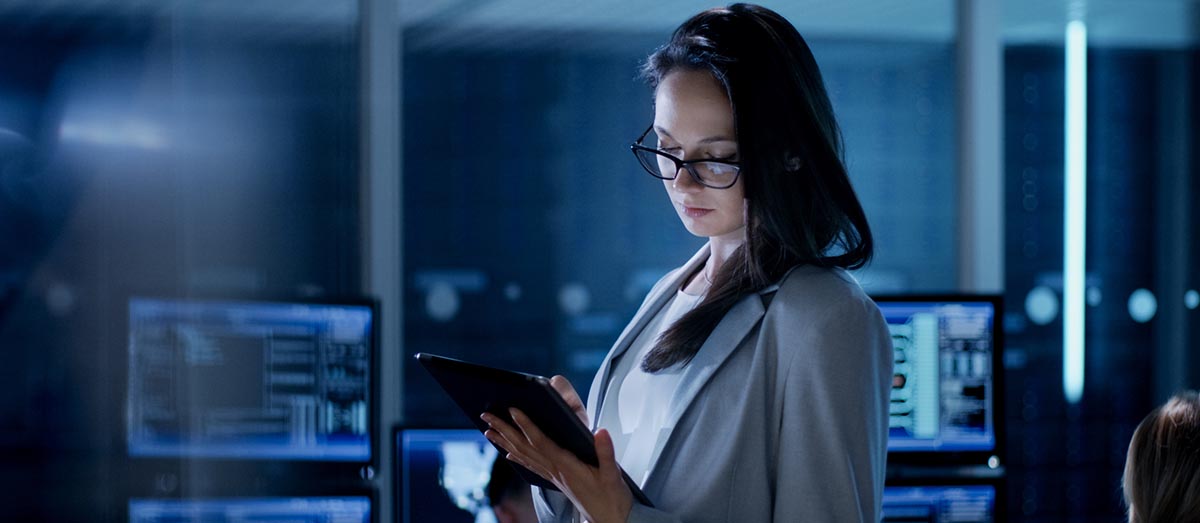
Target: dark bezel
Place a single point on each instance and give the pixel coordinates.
(397, 471)
(233, 494)
(955, 460)
(267, 477)
(997, 482)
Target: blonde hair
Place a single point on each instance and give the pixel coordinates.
(1162, 469)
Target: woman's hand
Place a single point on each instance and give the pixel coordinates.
(599, 493)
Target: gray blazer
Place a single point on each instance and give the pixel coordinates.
(781, 417)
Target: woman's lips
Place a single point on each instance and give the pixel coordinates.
(695, 212)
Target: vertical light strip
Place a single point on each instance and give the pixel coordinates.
(1075, 210)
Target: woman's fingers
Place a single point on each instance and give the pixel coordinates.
(607, 454)
(533, 435)
(509, 438)
(520, 445)
(599, 493)
(567, 391)
(498, 437)
(532, 466)
(515, 455)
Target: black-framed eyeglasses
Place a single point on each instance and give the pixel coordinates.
(717, 174)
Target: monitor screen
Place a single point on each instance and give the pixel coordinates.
(939, 504)
(250, 380)
(443, 474)
(241, 510)
(943, 391)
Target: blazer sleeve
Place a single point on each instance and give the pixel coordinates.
(832, 442)
(552, 506)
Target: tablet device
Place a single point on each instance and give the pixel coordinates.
(478, 389)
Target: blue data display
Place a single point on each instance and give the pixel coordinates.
(242, 510)
(249, 380)
(944, 504)
(443, 476)
(943, 392)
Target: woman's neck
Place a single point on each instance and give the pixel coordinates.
(720, 249)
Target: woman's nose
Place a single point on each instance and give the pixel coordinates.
(685, 181)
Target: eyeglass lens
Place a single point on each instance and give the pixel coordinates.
(710, 173)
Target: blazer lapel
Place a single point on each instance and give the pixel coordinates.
(643, 316)
(724, 340)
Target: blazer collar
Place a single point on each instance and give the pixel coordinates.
(736, 323)
(654, 303)
(726, 337)
(722, 343)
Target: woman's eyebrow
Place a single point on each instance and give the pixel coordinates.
(710, 139)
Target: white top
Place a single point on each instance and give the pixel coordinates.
(636, 409)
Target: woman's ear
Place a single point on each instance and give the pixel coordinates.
(793, 162)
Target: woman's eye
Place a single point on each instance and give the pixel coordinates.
(720, 169)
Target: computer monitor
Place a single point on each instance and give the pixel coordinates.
(442, 475)
(349, 509)
(940, 504)
(946, 388)
(259, 380)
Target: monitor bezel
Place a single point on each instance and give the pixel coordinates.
(372, 496)
(397, 471)
(961, 458)
(257, 470)
(997, 483)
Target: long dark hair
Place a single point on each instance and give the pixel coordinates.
(1162, 470)
(800, 206)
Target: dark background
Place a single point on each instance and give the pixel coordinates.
(186, 156)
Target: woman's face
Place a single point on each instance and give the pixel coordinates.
(694, 120)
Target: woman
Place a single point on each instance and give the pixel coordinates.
(753, 383)
(1162, 469)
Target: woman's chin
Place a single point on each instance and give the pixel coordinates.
(701, 232)
(696, 229)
